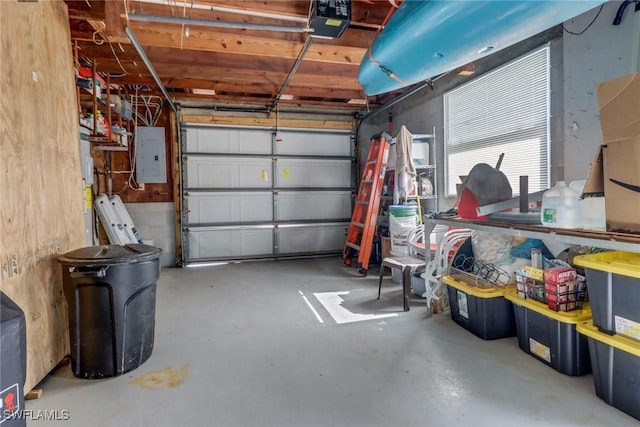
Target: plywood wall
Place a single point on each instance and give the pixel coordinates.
(41, 203)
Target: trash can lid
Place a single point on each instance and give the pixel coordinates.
(110, 255)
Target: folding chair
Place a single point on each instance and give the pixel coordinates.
(407, 264)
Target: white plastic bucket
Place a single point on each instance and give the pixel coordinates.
(402, 219)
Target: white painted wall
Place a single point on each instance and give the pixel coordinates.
(602, 53)
(154, 222)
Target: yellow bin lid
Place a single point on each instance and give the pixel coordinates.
(494, 292)
(573, 316)
(618, 262)
(617, 341)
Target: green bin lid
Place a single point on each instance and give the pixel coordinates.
(403, 210)
(110, 255)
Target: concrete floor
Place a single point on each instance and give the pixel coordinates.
(237, 345)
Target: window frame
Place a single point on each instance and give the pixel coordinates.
(545, 174)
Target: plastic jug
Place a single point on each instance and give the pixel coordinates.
(560, 208)
(592, 209)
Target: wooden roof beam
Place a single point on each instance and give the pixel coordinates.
(363, 13)
(221, 86)
(166, 35)
(229, 74)
(351, 37)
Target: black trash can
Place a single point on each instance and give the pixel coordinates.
(13, 359)
(111, 294)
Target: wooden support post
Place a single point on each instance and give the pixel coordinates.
(95, 98)
(177, 184)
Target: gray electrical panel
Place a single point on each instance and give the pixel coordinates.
(151, 163)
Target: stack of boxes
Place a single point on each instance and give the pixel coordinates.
(548, 305)
(564, 290)
(614, 332)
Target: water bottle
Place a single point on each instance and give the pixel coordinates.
(560, 207)
(592, 209)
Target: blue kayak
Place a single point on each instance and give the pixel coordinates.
(424, 39)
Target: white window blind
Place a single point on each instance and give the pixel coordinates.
(504, 111)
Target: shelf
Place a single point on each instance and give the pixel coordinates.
(417, 167)
(104, 143)
(109, 148)
(99, 139)
(598, 239)
(87, 101)
(433, 196)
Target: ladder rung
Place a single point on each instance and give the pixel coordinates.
(362, 202)
(358, 224)
(372, 162)
(353, 245)
(367, 181)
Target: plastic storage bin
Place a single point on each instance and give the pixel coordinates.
(13, 355)
(613, 279)
(482, 311)
(111, 294)
(551, 336)
(616, 368)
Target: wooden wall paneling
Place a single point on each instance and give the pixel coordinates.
(42, 213)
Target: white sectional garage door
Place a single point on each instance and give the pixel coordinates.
(248, 193)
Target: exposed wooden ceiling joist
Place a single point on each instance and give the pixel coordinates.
(247, 66)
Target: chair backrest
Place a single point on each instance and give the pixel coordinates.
(416, 242)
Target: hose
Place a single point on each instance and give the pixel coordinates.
(618, 19)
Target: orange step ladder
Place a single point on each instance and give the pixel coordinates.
(362, 228)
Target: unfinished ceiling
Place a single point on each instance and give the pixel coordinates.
(254, 61)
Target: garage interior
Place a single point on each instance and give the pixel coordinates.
(236, 134)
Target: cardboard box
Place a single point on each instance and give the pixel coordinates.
(386, 247)
(615, 169)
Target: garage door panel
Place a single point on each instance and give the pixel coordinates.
(226, 207)
(312, 239)
(318, 205)
(318, 144)
(313, 173)
(228, 172)
(247, 195)
(225, 243)
(228, 141)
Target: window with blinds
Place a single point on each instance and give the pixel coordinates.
(503, 111)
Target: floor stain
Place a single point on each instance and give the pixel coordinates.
(163, 378)
(415, 352)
